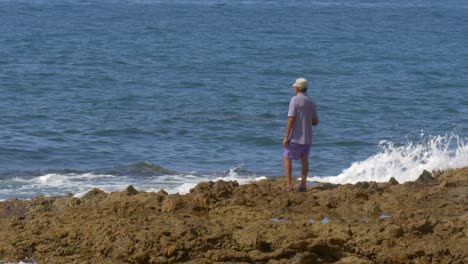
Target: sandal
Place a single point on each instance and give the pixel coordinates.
(285, 189)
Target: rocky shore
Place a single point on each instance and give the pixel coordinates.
(425, 221)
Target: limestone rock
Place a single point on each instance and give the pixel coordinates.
(425, 178)
(224, 222)
(393, 181)
(131, 190)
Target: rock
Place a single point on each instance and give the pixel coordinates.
(131, 190)
(224, 222)
(14, 208)
(425, 178)
(447, 184)
(172, 204)
(227, 255)
(424, 227)
(393, 181)
(66, 202)
(395, 232)
(94, 194)
(437, 173)
(304, 258)
(367, 185)
(353, 260)
(362, 185)
(257, 255)
(223, 189)
(325, 186)
(163, 192)
(326, 249)
(215, 190)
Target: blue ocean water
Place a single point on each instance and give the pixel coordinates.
(165, 94)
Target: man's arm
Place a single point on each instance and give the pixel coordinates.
(289, 126)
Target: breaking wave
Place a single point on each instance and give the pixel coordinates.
(406, 162)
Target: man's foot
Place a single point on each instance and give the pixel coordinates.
(301, 188)
(287, 189)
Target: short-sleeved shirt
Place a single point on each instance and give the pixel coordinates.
(304, 110)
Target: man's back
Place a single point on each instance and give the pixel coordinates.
(304, 110)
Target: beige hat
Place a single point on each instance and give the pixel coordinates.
(300, 84)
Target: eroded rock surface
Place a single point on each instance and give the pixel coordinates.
(424, 221)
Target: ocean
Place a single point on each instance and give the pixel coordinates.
(164, 94)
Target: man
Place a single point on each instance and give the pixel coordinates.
(302, 115)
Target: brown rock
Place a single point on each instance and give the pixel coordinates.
(326, 186)
(424, 227)
(227, 255)
(94, 194)
(14, 208)
(131, 190)
(222, 222)
(66, 202)
(393, 181)
(173, 203)
(367, 185)
(425, 178)
(353, 260)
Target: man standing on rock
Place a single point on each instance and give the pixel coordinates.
(302, 115)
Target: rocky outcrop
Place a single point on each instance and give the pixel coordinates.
(224, 222)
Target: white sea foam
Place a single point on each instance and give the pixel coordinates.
(234, 176)
(406, 162)
(189, 181)
(184, 188)
(21, 262)
(80, 184)
(63, 180)
(60, 184)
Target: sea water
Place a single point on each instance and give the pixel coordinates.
(165, 94)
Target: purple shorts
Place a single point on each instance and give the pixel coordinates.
(296, 151)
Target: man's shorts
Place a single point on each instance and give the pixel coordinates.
(296, 151)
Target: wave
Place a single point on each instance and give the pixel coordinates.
(406, 162)
(61, 182)
(236, 173)
(144, 168)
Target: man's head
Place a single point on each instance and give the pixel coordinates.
(300, 85)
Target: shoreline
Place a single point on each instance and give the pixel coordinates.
(223, 222)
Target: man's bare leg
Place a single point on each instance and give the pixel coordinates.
(305, 172)
(288, 173)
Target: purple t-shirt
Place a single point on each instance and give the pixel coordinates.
(304, 109)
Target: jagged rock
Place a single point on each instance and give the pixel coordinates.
(362, 185)
(14, 208)
(163, 192)
(223, 189)
(131, 190)
(224, 222)
(424, 227)
(437, 173)
(66, 202)
(425, 178)
(172, 204)
(219, 189)
(326, 186)
(393, 181)
(94, 194)
(448, 184)
(353, 260)
(227, 255)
